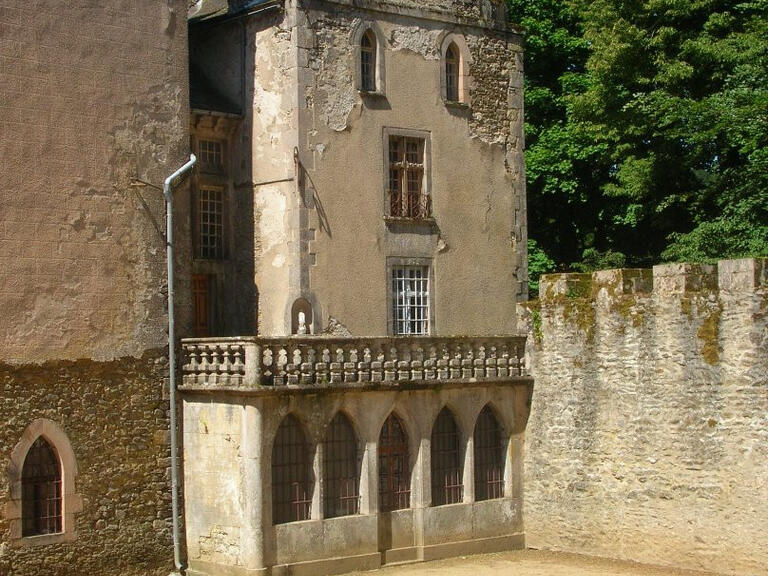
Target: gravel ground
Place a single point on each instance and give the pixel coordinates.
(529, 563)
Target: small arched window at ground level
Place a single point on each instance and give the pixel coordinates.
(368, 62)
(489, 457)
(447, 477)
(41, 494)
(452, 73)
(341, 471)
(291, 474)
(394, 466)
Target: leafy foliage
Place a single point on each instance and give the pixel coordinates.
(648, 128)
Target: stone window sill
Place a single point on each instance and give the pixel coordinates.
(413, 221)
(371, 94)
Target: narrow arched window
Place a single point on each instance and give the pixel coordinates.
(489, 457)
(368, 62)
(41, 491)
(394, 469)
(341, 471)
(291, 473)
(452, 67)
(447, 482)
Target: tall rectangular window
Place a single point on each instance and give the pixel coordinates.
(203, 301)
(410, 300)
(407, 195)
(210, 223)
(211, 155)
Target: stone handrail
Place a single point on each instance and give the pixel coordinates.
(328, 361)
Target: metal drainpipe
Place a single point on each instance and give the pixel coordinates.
(168, 193)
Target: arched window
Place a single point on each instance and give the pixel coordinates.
(341, 471)
(394, 469)
(489, 457)
(447, 482)
(291, 473)
(41, 496)
(368, 61)
(452, 73)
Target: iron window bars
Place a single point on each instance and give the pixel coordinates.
(410, 300)
(291, 474)
(407, 197)
(41, 491)
(211, 223)
(394, 470)
(447, 482)
(341, 472)
(489, 457)
(452, 74)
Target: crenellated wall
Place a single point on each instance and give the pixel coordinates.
(648, 434)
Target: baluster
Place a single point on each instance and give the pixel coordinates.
(430, 363)
(377, 365)
(281, 360)
(364, 366)
(307, 372)
(350, 366)
(466, 360)
(490, 363)
(337, 366)
(479, 362)
(322, 376)
(390, 365)
(503, 362)
(455, 363)
(292, 367)
(443, 363)
(238, 365)
(267, 365)
(520, 353)
(404, 362)
(417, 364)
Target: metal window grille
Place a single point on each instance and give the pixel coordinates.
(211, 223)
(41, 491)
(410, 300)
(447, 484)
(489, 457)
(368, 62)
(452, 74)
(394, 469)
(407, 197)
(341, 473)
(211, 155)
(291, 474)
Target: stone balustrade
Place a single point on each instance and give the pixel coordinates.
(322, 361)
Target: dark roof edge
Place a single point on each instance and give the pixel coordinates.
(219, 18)
(387, 7)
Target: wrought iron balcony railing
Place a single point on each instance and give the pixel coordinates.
(321, 361)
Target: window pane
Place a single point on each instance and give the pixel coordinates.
(291, 484)
(447, 482)
(394, 476)
(410, 300)
(340, 470)
(41, 491)
(489, 457)
(211, 223)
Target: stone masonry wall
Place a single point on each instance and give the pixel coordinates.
(115, 416)
(648, 435)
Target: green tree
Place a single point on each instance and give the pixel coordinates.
(647, 129)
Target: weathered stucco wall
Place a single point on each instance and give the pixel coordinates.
(320, 233)
(228, 439)
(648, 436)
(94, 96)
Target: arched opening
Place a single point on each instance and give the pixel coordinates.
(452, 73)
(301, 317)
(394, 466)
(341, 471)
(41, 494)
(291, 473)
(489, 456)
(368, 61)
(447, 481)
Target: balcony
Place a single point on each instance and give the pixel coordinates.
(320, 362)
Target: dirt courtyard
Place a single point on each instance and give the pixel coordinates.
(529, 563)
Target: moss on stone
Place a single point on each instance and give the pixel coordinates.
(709, 333)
